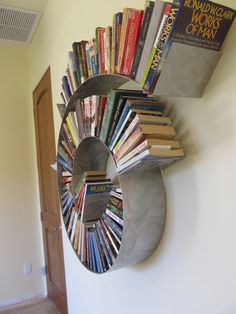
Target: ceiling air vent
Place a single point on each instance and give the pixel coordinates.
(17, 25)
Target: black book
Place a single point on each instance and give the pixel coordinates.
(141, 40)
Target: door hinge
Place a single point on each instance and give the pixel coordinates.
(41, 216)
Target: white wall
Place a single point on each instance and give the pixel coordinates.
(193, 270)
(20, 234)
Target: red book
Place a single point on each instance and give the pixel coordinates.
(132, 39)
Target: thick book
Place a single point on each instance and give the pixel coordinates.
(151, 33)
(203, 23)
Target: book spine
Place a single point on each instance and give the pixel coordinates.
(103, 244)
(102, 255)
(113, 44)
(79, 116)
(72, 68)
(156, 42)
(92, 58)
(107, 49)
(129, 144)
(119, 17)
(77, 63)
(113, 244)
(126, 13)
(84, 62)
(101, 109)
(88, 60)
(152, 74)
(98, 262)
(141, 40)
(152, 30)
(138, 149)
(107, 244)
(81, 64)
(127, 132)
(114, 122)
(69, 77)
(110, 222)
(66, 87)
(115, 217)
(134, 30)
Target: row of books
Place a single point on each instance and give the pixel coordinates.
(138, 42)
(93, 216)
(133, 126)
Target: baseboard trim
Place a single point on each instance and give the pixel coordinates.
(22, 300)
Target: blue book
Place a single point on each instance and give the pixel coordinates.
(96, 253)
(66, 86)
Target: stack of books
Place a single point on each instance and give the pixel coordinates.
(138, 42)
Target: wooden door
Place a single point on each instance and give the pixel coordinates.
(50, 215)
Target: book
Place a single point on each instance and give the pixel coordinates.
(79, 117)
(198, 24)
(107, 49)
(101, 109)
(151, 33)
(127, 12)
(158, 42)
(62, 109)
(114, 217)
(142, 36)
(73, 71)
(153, 155)
(96, 196)
(75, 49)
(119, 18)
(149, 143)
(100, 49)
(142, 132)
(203, 23)
(132, 33)
(150, 74)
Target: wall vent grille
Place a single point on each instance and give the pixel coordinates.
(17, 25)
